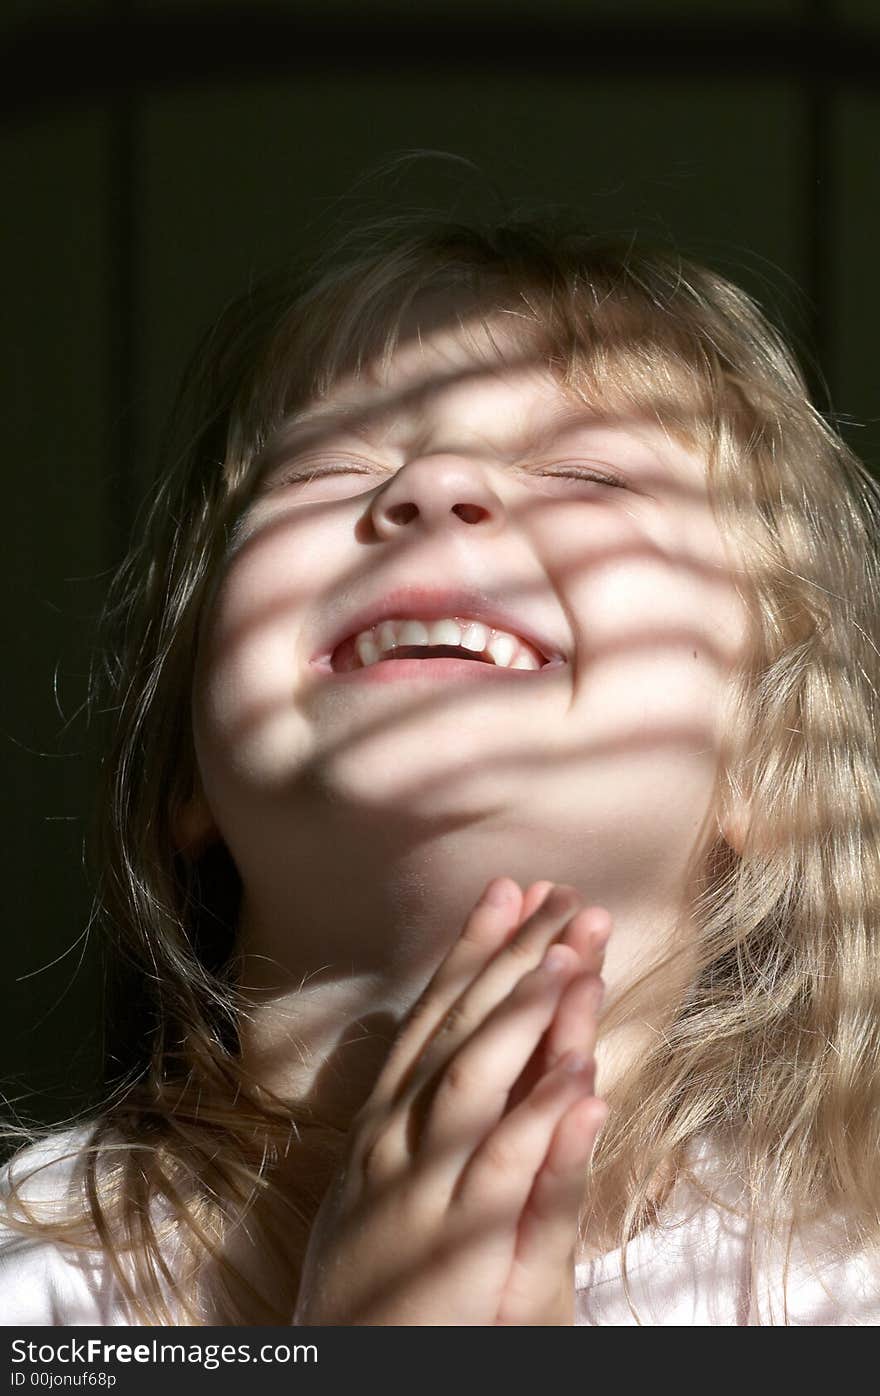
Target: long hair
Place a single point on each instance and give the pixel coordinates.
(773, 1047)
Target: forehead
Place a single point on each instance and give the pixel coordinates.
(483, 382)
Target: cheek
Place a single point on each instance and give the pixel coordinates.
(659, 624)
(250, 656)
(653, 602)
(246, 643)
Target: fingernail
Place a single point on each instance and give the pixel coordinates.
(575, 1062)
(601, 939)
(558, 957)
(497, 893)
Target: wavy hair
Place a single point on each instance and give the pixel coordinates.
(772, 1048)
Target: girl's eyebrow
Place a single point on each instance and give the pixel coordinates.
(326, 415)
(563, 424)
(312, 425)
(323, 420)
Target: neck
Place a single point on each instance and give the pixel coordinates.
(330, 989)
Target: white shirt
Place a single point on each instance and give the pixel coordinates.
(691, 1271)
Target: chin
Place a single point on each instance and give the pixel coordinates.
(434, 779)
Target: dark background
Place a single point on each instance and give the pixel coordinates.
(156, 157)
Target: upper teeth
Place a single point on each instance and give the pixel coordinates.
(506, 650)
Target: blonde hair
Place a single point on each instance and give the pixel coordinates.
(774, 1047)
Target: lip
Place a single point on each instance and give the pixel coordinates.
(439, 670)
(425, 603)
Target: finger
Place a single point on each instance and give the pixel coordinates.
(458, 1111)
(519, 956)
(495, 916)
(575, 1025)
(548, 1231)
(588, 933)
(503, 1171)
(533, 896)
(574, 1028)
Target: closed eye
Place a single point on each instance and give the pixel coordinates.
(585, 475)
(577, 470)
(301, 475)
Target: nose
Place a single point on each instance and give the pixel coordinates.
(436, 492)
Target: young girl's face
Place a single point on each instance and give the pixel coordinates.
(454, 484)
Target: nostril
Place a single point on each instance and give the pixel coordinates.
(402, 513)
(470, 513)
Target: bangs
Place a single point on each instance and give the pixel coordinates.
(623, 332)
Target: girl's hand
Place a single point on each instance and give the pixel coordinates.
(458, 1197)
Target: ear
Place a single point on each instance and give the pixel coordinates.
(734, 825)
(193, 828)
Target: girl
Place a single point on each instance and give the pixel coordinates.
(503, 628)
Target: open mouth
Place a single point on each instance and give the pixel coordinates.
(355, 653)
(454, 644)
(432, 652)
(422, 664)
